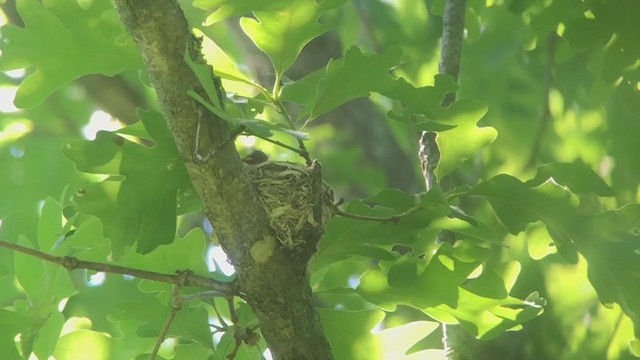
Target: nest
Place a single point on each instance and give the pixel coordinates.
(287, 194)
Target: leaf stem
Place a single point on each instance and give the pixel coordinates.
(391, 219)
(302, 152)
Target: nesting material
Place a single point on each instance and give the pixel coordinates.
(287, 195)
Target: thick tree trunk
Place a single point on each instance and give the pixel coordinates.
(272, 278)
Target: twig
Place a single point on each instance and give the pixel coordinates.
(202, 295)
(391, 219)
(283, 110)
(176, 305)
(302, 152)
(232, 311)
(220, 318)
(217, 328)
(237, 330)
(233, 134)
(186, 278)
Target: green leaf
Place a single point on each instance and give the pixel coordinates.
(634, 346)
(443, 291)
(396, 341)
(204, 73)
(283, 33)
(353, 76)
(421, 106)
(458, 135)
(190, 323)
(578, 177)
(409, 282)
(224, 9)
(183, 253)
(48, 334)
(11, 323)
(192, 351)
(86, 243)
(50, 225)
(517, 205)
(485, 317)
(356, 76)
(609, 241)
(141, 207)
(345, 237)
(349, 333)
(28, 269)
(465, 139)
(85, 344)
(78, 41)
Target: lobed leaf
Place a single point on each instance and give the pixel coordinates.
(353, 76)
(609, 241)
(282, 33)
(78, 41)
(137, 203)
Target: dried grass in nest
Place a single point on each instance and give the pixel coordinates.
(287, 196)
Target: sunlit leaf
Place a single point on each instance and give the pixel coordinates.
(353, 76)
(141, 207)
(226, 8)
(283, 33)
(579, 178)
(466, 138)
(78, 41)
(349, 333)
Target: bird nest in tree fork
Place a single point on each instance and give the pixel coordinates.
(290, 193)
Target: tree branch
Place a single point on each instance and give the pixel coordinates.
(273, 279)
(176, 305)
(452, 37)
(73, 263)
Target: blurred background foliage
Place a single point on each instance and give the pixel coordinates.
(561, 79)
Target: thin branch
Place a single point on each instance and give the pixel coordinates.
(176, 305)
(202, 295)
(217, 328)
(385, 220)
(283, 110)
(233, 134)
(302, 152)
(220, 318)
(73, 263)
(452, 37)
(232, 311)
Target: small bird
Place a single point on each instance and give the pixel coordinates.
(256, 157)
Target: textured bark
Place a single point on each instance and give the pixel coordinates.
(454, 338)
(273, 280)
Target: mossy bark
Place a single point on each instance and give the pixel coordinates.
(273, 279)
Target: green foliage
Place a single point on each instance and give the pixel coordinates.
(353, 76)
(282, 33)
(568, 237)
(141, 178)
(78, 41)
